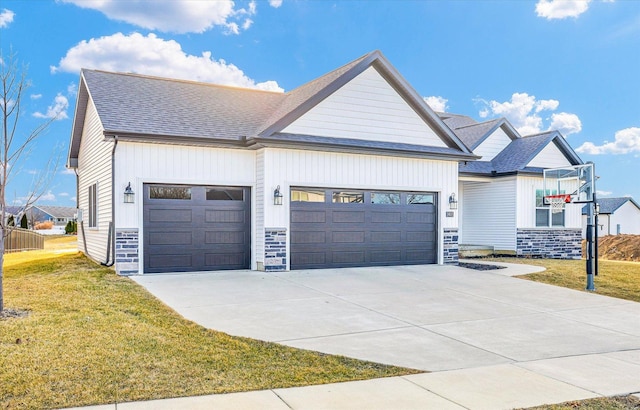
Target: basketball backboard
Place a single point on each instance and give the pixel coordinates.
(577, 181)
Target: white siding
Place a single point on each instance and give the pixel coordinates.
(261, 200)
(527, 187)
(489, 215)
(550, 157)
(366, 108)
(94, 166)
(628, 216)
(493, 145)
(177, 164)
(287, 168)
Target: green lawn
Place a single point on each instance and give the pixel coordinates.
(617, 279)
(93, 337)
(603, 403)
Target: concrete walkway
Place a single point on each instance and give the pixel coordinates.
(491, 341)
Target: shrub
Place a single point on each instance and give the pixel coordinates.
(11, 221)
(24, 222)
(43, 225)
(71, 228)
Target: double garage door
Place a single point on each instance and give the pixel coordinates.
(199, 228)
(333, 228)
(196, 228)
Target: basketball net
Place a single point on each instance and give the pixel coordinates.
(557, 202)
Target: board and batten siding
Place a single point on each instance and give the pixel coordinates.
(260, 201)
(550, 157)
(489, 214)
(628, 217)
(142, 163)
(366, 108)
(527, 187)
(493, 145)
(94, 167)
(288, 167)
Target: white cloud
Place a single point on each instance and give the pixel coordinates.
(436, 103)
(57, 110)
(36, 96)
(72, 89)
(524, 112)
(275, 3)
(154, 56)
(176, 16)
(63, 194)
(68, 171)
(49, 196)
(73, 198)
(603, 193)
(566, 123)
(626, 141)
(6, 17)
(561, 9)
(32, 171)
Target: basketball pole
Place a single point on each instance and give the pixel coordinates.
(591, 260)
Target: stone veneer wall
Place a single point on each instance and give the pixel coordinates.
(127, 252)
(550, 243)
(450, 245)
(275, 249)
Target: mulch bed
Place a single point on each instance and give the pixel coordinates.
(480, 266)
(13, 313)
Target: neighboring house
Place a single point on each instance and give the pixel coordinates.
(59, 215)
(616, 216)
(501, 195)
(350, 169)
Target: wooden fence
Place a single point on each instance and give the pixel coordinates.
(23, 240)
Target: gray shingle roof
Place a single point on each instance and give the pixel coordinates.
(517, 155)
(136, 106)
(472, 135)
(610, 205)
(57, 211)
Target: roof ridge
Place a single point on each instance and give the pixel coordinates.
(481, 123)
(181, 80)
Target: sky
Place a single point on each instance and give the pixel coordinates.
(573, 66)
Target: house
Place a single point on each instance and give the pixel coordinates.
(501, 195)
(59, 215)
(616, 216)
(350, 169)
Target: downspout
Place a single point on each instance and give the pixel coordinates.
(111, 237)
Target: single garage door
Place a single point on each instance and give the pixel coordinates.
(196, 228)
(332, 228)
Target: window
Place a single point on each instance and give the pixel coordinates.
(348, 197)
(169, 192)
(93, 206)
(385, 198)
(544, 216)
(307, 195)
(225, 194)
(420, 199)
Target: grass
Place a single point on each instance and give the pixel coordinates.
(618, 279)
(92, 337)
(602, 403)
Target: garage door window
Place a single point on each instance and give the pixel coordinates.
(420, 199)
(169, 192)
(348, 197)
(385, 198)
(225, 194)
(307, 195)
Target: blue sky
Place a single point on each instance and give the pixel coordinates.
(567, 65)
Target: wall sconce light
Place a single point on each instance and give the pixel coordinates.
(129, 195)
(453, 203)
(277, 196)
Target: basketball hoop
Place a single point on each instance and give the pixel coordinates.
(556, 202)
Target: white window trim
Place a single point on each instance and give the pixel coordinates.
(549, 214)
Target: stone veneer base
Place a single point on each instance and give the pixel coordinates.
(127, 252)
(450, 246)
(550, 243)
(275, 249)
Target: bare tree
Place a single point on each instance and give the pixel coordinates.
(16, 145)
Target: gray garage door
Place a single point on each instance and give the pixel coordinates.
(333, 228)
(196, 228)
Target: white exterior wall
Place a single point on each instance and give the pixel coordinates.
(526, 206)
(94, 166)
(141, 163)
(550, 157)
(366, 108)
(493, 145)
(628, 216)
(287, 168)
(488, 214)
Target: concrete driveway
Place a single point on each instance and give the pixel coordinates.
(435, 318)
